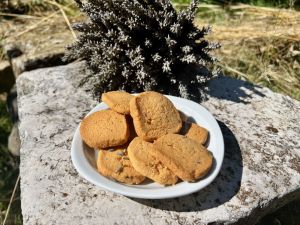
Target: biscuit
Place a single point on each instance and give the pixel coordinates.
(195, 132)
(115, 163)
(117, 101)
(154, 115)
(146, 164)
(104, 128)
(185, 157)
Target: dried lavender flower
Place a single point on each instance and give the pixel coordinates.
(139, 45)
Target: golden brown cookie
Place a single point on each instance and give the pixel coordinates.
(116, 164)
(185, 157)
(146, 164)
(104, 128)
(117, 101)
(195, 132)
(154, 115)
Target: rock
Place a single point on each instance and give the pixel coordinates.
(14, 141)
(7, 78)
(260, 172)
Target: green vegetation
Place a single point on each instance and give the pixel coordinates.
(8, 172)
(265, 41)
(265, 3)
(262, 63)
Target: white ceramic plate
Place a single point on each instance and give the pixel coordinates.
(84, 159)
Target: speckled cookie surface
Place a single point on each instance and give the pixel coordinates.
(104, 128)
(185, 157)
(116, 164)
(117, 101)
(195, 132)
(154, 115)
(146, 164)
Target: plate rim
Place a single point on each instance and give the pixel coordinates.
(138, 193)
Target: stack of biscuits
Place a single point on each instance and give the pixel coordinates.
(143, 136)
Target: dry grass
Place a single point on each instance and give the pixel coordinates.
(260, 45)
(16, 25)
(34, 7)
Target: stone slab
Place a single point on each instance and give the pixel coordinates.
(260, 172)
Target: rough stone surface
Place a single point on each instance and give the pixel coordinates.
(260, 172)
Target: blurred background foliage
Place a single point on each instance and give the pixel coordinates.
(264, 3)
(8, 172)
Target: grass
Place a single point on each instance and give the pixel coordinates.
(30, 6)
(265, 40)
(2, 56)
(264, 3)
(8, 172)
(9, 167)
(262, 63)
(39, 8)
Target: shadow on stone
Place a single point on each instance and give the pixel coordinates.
(22, 64)
(224, 87)
(222, 189)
